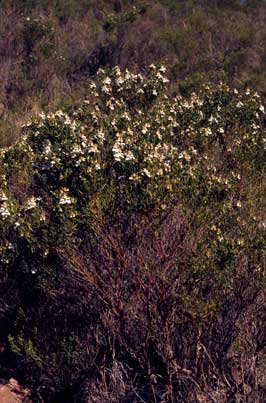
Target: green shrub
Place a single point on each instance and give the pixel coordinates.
(146, 207)
(129, 146)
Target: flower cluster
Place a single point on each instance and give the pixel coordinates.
(131, 145)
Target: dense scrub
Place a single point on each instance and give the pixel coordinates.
(133, 246)
(48, 48)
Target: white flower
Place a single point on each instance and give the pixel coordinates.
(92, 148)
(119, 80)
(59, 114)
(144, 130)
(31, 204)
(47, 149)
(146, 172)
(65, 200)
(4, 260)
(100, 135)
(165, 80)
(64, 197)
(184, 155)
(42, 115)
(212, 119)
(4, 212)
(67, 120)
(3, 197)
(129, 156)
(134, 177)
(118, 156)
(107, 81)
(10, 246)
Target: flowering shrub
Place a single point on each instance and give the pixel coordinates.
(133, 153)
(129, 147)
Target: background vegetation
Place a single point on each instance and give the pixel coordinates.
(49, 48)
(132, 208)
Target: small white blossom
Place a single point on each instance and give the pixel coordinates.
(31, 204)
